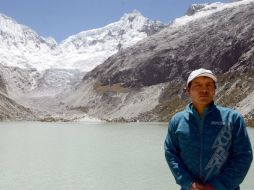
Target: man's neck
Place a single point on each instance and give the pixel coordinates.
(200, 108)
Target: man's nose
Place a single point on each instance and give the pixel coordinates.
(204, 89)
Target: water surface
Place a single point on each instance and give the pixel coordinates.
(86, 156)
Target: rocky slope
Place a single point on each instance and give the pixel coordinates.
(2, 86)
(9, 109)
(147, 78)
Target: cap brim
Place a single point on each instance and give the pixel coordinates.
(207, 75)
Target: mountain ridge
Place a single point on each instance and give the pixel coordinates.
(75, 52)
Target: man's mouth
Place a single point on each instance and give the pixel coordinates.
(204, 96)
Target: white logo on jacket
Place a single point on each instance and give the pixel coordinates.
(221, 146)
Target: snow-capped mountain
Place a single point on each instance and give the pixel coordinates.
(36, 64)
(198, 11)
(22, 47)
(32, 66)
(88, 49)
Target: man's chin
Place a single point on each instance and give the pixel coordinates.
(205, 101)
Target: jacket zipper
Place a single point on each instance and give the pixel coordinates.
(201, 146)
(201, 131)
(202, 128)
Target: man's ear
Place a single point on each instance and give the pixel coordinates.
(186, 89)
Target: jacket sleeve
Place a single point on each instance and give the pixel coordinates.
(172, 154)
(239, 161)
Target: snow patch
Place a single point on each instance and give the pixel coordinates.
(89, 119)
(207, 10)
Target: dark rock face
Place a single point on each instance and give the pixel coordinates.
(194, 8)
(10, 110)
(216, 42)
(2, 85)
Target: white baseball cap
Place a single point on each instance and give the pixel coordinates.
(201, 72)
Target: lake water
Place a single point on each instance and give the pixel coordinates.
(87, 156)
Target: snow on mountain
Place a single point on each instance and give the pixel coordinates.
(24, 48)
(197, 11)
(21, 46)
(20, 36)
(88, 49)
(205, 8)
(54, 81)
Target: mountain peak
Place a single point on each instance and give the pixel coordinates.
(7, 24)
(133, 15)
(194, 8)
(83, 51)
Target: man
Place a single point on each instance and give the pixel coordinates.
(207, 146)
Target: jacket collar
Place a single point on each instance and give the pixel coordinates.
(190, 108)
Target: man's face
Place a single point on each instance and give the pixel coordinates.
(202, 91)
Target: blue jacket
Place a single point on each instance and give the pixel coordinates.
(213, 149)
